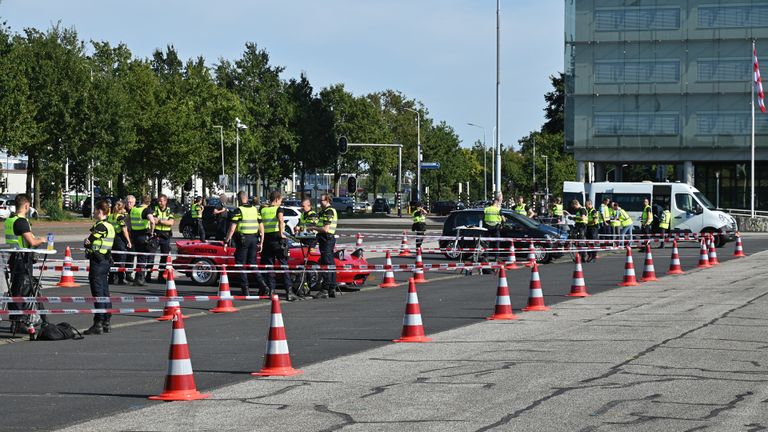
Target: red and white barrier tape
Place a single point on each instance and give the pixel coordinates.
(77, 311)
(126, 299)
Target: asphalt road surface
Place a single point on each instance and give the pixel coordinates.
(47, 385)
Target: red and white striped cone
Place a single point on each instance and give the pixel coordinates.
(629, 271)
(535, 294)
(413, 328)
(224, 305)
(578, 286)
(739, 251)
(703, 255)
(277, 360)
(404, 250)
(674, 265)
(649, 271)
(531, 256)
(67, 279)
(511, 263)
(418, 271)
(389, 275)
(180, 379)
(712, 251)
(170, 291)
(358, 240)
(503, 309)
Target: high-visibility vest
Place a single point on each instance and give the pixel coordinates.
(11, 239)
(666, 218)
(249, 222)
(593, 217)
(647, 217)
(418, 217)
(605, 213)
(557, 209)
(491, 216)
(163, 215)
(520, 209)
(269, 219)
(624, 218)
(329, 217)
(581, 216)
(137, 222)
(615, 218)
(103, 244)
(307, 218)
(196, 211)
(117, 220)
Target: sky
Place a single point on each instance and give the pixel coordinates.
(440, 52)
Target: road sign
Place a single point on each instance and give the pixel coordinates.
(223, 179)
(430, 165)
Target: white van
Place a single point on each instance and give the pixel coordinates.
(691, 210)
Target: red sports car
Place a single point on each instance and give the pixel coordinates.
(210, 254)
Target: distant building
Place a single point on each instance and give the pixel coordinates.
(667, 83)
(13, 177)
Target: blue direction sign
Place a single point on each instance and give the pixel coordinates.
(430, 165)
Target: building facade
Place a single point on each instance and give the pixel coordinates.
(667, 84)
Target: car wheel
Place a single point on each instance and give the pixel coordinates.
(541, 254)
(188, 232)
(203, 272)
(448, 250)
(350, 211)
(311, 280)
(719, 239)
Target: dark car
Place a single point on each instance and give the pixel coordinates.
(442, 208)
(215, 227)
(87, 204)
(291, 203)
(515, 226)
(381, 205)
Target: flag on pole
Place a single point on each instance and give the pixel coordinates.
(758, 80)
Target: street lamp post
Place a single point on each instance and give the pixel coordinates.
(238, 125)
(546, 176)
(418, 153)
(485, 169)
(221, 137)
(497, 178)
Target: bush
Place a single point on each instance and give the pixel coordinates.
(54, 211)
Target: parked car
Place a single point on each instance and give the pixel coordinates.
(212, 254)
(86, 208)
(380, 205)
(7, 206)
(515, 226)
(291, 203)
(216, 230)
(442, 208)
(348, 205)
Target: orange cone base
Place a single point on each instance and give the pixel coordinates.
(278, 371)
(578, 294)
(388, 285)
(536, 308)
(625, 284)
(513, 266)
(703, 266)
(648, 279)
(413, 339)
(404, 254)
(502, 317)
(739, 256)
(169, 317)
(224, 309)
(67, 285)
(420, 279)
(675, 272)
(180, 395)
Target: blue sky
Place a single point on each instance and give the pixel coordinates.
(439, 52)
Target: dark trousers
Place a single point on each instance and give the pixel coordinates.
(22, 281)
(200, 229)
(165, 249)
(273, 254)
(326, 246)
(140, 245)
(97, 279)
(247, 247)
(118, 255)
(580, 233)
(494, 231)
(592, 234)
(646, 230)
(663, 235)
(419, 228)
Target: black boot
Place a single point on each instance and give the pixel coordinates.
(121, 278)
(129, 277)
(322, 294)
(111, 278)
(106, 323)
(245, 291)
(95, 329)
(332, 292)
(139, 280)
(289, 296)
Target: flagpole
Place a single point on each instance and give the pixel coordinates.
(752, 160)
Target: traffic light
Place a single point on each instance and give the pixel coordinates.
(343, 144)
(351, 185)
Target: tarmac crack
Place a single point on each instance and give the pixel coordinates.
(755, 427)
(378, 390)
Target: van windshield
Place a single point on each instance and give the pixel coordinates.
(704, 201)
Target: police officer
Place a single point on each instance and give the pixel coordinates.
(580, 219)
(557, 213)
(142, 224)
(520, 208)
(326, 237)
(593, 227)
(605, 216)
(308, 218)
(130, 203)
(244, 228)
(492, 221)
(98, 247)
(18, 235)
(665, 224)
(646, 220)
(221, 214)
(164, 230)
(274, 244)
(419, 223)
(622, 223)
(196, 212)
(122, 241)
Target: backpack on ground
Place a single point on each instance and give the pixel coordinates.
(60, 331)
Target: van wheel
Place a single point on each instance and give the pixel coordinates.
(719, 239)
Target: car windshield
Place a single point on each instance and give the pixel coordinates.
(520, 219)
(704, 201)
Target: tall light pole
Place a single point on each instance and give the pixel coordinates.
(238, 125)
(546, 176)
(485, 169)
(418, 153)
(221, 137)
(497, 180)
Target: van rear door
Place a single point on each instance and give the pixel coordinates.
(572, 191)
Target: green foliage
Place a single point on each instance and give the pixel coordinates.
(52, 209)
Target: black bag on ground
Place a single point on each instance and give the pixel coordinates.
(60, 331)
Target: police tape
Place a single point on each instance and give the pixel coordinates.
(126, 299)
(78, 311)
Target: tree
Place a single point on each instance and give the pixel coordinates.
(554, 112)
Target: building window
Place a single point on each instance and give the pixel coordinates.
(650, 18)
(738, 70)
(729, 123)
(636, 124)
(616, 72)
(739, 16)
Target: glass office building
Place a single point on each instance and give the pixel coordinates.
(667, 83)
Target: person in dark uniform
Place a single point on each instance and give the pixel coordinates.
(419, 223)
(580, 219)
(130, 203)
(164, 230)
(122, 242)
(142, 223)
(98, 247)
(221, 216)
(593, 228)
(18, 235)
(308, 218)
(196, 211)
(244, 228)
(274, 244)
(326, 238)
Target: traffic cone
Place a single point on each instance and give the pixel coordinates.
(649, 271)
(224, 304)
(413, 329)
(277, 360)
(418, 272)
(629, 271)
(358, 240)
(535, 295)
(404, 250)
(712, 251)
(674, 264)
(511, 263)
(389, 275)
(531, 256)
(180, 380)
(170, 291)
(67, 279)
(703, 255)
(739, 252)
(578, 287)
(503, 309)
